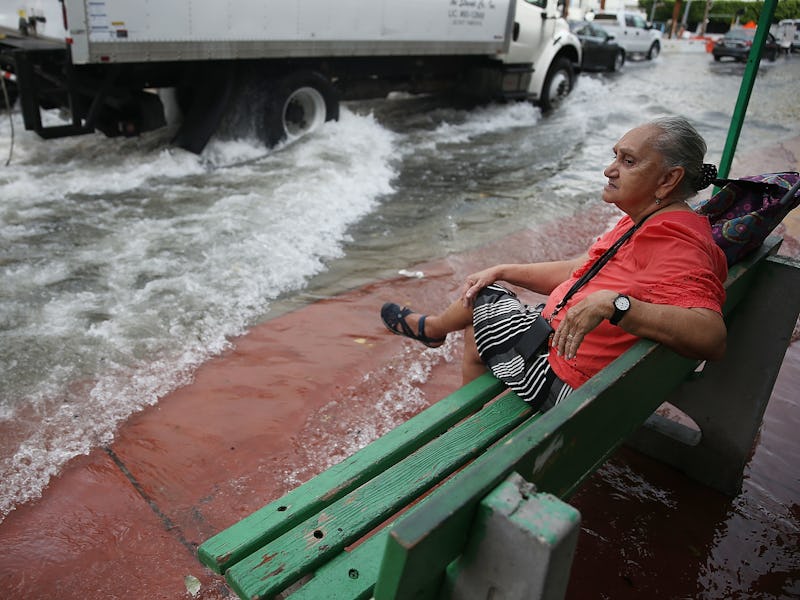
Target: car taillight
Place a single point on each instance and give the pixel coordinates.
(64, 15)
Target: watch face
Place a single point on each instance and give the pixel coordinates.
(622, 303)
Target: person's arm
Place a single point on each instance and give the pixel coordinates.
(541, 278)
(693, 332)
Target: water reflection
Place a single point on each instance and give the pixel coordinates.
(647, 531)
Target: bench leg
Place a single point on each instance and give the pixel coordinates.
(727, 401)
(520, 547)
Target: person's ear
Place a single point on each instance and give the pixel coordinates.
(669, 181)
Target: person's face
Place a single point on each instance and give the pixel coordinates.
(637, 175)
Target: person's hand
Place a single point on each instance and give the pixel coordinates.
(475, 283)
(580, 320)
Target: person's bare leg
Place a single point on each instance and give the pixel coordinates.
(472, 366)
(454, 318)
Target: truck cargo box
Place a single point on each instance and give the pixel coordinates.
(170, 30)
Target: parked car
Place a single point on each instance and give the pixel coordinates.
(600, 51)
(737, 42)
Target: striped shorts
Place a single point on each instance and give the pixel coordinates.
(513, 341)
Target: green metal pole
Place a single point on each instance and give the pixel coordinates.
(750, 72)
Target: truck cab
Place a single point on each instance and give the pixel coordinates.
(542, 35)
(788, 32)
(631, 31)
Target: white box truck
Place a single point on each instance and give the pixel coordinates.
(104, 61)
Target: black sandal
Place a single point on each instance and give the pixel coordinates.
(392, 315)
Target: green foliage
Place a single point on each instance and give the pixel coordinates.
(723, 12)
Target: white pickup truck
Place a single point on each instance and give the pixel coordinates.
(102, 61)
(631, 31)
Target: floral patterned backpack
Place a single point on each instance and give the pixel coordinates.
(745, 211)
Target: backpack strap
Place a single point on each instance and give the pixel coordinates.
(791, 195)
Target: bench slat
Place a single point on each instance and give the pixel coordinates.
(556, 452)
(742, 274)
(244, 537)
(281, 562)
(349, 576)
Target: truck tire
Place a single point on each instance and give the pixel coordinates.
(654, 51)
(557, 84)
(300, 103)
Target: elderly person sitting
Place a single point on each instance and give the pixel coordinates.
(663, 280)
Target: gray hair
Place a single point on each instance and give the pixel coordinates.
(681, 146)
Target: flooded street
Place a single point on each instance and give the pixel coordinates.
(126, 264)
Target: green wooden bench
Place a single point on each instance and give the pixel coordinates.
(406, 516)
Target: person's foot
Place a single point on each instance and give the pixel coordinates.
(396, 319)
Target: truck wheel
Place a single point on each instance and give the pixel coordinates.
(557, 84)
(301, 103)
(654, 51)
(619, 61)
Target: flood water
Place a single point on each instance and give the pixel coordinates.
(125, 264)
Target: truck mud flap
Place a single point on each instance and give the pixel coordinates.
(38, 89)
(202, 116)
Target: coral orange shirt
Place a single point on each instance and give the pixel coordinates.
(672, 259)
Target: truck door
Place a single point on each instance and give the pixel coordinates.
(639, 37)
(534, 28)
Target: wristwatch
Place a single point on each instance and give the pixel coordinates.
(622, 305)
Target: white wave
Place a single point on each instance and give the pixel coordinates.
(167, 256)
(488, 119)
